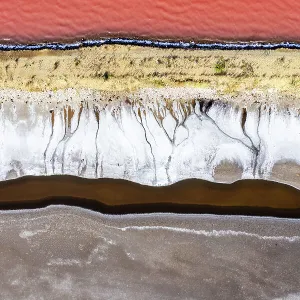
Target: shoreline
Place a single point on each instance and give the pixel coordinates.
(157, 43)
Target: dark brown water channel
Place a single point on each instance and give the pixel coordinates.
(246, 197)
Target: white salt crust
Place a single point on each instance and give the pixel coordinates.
(148, 142)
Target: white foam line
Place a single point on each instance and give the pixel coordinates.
(213, 233)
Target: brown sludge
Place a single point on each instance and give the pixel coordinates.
(247, 194)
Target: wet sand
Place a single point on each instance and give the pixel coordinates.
(71, 253)
(248, 197)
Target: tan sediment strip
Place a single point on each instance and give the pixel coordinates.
(246, 193)
(286, 172)
(115, 68)
(228, 172)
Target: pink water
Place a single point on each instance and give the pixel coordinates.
(40, 20)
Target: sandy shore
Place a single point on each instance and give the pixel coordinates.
(115, 68)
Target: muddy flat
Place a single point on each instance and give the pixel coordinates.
(70, 253)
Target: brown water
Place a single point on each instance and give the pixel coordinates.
(252, 197)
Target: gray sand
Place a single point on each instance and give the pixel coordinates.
(71, 253)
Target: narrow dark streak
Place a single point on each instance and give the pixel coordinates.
(205, 107)
(101, 169)
(244, 118)
(259, 140)
(68, 136)
(173, 148)
(83, 167)
(146, 138)
(208, 106)
(50, 139)
(77, 126)
(120, 126)
(186, 114)
(255, 149)
(54, 153)
(117, 120)
(97, 116)
(177, 125)
(204, 110)
(159, 118)
(188, 134)
(146, 122)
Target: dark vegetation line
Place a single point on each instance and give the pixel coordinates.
(152, 43)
